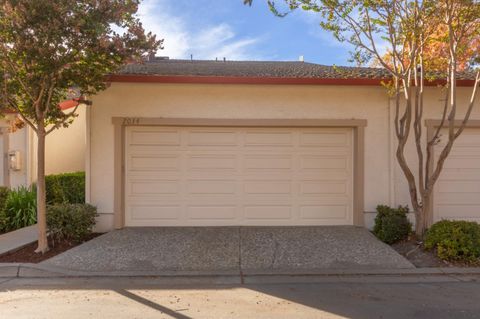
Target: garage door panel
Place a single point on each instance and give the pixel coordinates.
(210, 212)
(458, 186)
(269, 138)
(154, 211)
(212, 138)
(321, 139)
(457, 192)
(460, 174)
(154, 162)
(153, 187)
(211, 187)
(209, 200)
(323, 163)
(324, 151)
(460, 212)
(464, 151)
(459, 198)
(324, 175)
(141, 137)
(321, 212)
(212, 162)
(268, 212)
(468, 138)
(239, 176)
(267, 187)
(456, 162)
(266, 162)
(315, 188)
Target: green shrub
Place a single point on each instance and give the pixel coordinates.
(3, 199)
(72, 222)
(454, 240)
(65, 188)
(3, 196)
(392, 224)
(20, 208)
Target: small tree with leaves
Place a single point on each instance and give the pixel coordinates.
(413, 31)
(49, 48)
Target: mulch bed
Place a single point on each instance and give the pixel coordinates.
(27, 254)
(414, 251)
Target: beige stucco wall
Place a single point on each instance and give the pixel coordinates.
(384, 182)
(65, 147)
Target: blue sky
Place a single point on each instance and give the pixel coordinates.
(226, 28)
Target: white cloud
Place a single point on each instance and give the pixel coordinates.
(181, 39)
(155, 18)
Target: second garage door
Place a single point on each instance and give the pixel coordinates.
(218, 176)
(457, 192)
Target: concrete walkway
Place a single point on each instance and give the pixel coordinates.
(18, 239)
(230, 250)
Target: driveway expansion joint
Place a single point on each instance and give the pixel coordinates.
(240, 271)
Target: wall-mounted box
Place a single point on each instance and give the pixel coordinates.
(14, 160)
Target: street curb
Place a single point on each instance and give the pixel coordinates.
(21, 270)
(9, 270)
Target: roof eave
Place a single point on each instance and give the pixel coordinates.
(187, 79)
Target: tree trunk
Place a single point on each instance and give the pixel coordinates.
(419, 222)
(41, 194)
(421, 214)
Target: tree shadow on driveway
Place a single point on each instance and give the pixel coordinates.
(361, 298)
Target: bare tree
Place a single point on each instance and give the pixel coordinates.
(409, 30)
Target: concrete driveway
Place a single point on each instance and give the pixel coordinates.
(227, 250)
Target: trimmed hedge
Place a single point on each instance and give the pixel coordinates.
(72, 222)
(392, 224)
(65, 188)
(454, 240)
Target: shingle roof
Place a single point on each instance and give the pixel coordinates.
(250, 69)
(257, 69)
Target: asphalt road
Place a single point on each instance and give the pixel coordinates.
(356, 297)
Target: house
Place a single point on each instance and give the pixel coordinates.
(220, 143)
(64, 151)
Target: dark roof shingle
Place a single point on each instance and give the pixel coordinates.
(258, 69)
(272, 69)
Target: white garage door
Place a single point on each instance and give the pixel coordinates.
(218, 176)
(457, 192)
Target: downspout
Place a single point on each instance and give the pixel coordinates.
(5, 149)
(30, 163)
(88, 161)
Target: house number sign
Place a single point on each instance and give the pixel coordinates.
(131, 121)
